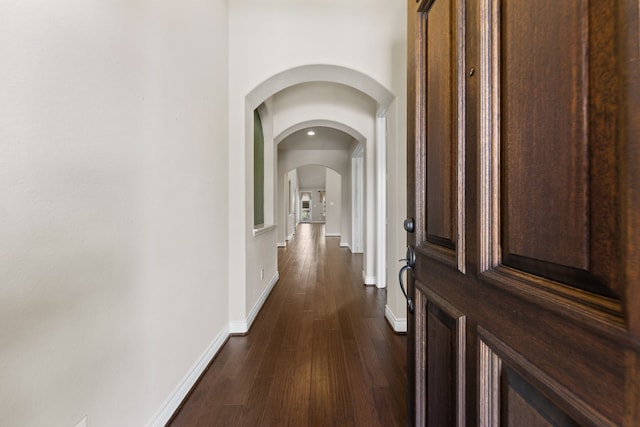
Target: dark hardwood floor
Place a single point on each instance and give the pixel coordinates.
(320, 353)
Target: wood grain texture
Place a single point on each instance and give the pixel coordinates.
(585, 361)
(541, 391)
(629, 35)
(440, 119)
(441, 135)
(441, 361)
(558, 142)
(441, 382)
(544, 141)
(319, 353)
(549, 140)
(524, 405)
(552, 200)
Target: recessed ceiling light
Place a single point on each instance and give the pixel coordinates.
(311, 133)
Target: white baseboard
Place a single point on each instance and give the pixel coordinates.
(242, 327)
(281, 244)
(291, 236)
(368, 280)
(398, 324)
(332, 235)
(238, 327)
(346, 245)
(170, 406)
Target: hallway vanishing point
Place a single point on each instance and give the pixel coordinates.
(320, 352)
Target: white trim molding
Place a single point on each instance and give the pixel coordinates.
(346, 245)
(368, 280)
(263, 229)
(238, 327)
(381, 201)
(281, 244)
(398, 324)
(242, 327)
(332, 235)
(170, 406)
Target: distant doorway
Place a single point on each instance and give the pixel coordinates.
(306, 213)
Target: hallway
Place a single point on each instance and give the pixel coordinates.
(319, 353)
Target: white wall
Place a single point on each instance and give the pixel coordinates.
(262, 271)
(287, 205)
(333, 203)
(356, 235)
(292, 194)
(396, 214)
(292, 159)
(114, 165)
(396, 310)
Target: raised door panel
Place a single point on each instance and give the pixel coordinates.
(515, 392)
(443, 109)
(440, 360)
(523, 405)
(544, 144)
(551, 203)
(439, 127)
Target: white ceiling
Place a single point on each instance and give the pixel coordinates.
(325, 139)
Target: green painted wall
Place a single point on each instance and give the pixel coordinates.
(258, 170)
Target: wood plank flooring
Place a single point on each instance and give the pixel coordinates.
(320, 353)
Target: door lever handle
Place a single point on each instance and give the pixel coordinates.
(404, 268)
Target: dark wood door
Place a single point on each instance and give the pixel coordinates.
(524, 185)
